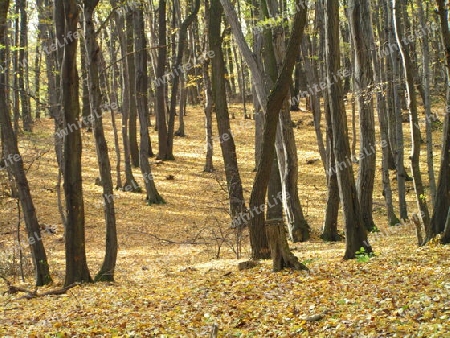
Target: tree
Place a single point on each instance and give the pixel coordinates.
(23, 67)
(140, 89)
(227, 145)
(76, 264)
(355, 232)
(93, 62)
(134, 149)
(176, 80)
(398, 8)
(130, 182)
(161, 84)
(359, 15)
(261, 237)
(12, 154)
(440, 212)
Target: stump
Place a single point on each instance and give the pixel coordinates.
(282, 256)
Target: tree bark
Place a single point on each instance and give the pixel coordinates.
(395, 126)
(132, 129)
(140, 88)
(270, 105)
(227, 145)
(359, 14)
(176, 80)
(76, 264)
(23, 67)
(398, 8)
(356, 233)
(42, 274)
(93, 65)
(161, 84)
(130, 182)
(442, 205)
(427, 103)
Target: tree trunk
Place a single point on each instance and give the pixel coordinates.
(113, 106)
(395, 113)
(398, 8)
(93, 65)
(427, 102)
(381, 90)
(161, 83)
(23, 67)
(130, 182)
(132, 129)
(286, 149)
(234, 184)
(12, 155)
(76, 265)
(440, 212)
(330, 231)
(176, 80)
(359, 14)
(141, 87)
(208, 109)
(86, 105)
(271, 105)
(356, 233)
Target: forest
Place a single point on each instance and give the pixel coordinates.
(224, 168)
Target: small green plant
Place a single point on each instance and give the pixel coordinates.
(362, 256)
(374, 229)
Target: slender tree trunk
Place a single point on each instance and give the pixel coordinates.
(227, 145)
(440, 212)
(76, 264)
(113, 105)
(381, 88)
(86, 105)
(329, 230)
(208, 109)
(176, 80)
(23, 67)
(130, 182)
(361, 30)
(161, 83)
(395, 115)
(141, 88)
(12, 155)
(427, 103)
(398, 8)
(356, 233)
(93, 63)
(312, 78)
(132, 129)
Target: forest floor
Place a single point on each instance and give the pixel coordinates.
(177, 270)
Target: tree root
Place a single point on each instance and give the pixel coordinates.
(30, 294)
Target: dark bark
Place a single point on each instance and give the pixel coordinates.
(16, 165)
(398, 8)
(356, 233)
(227, 145)
(130, 182)
(93, 65)
(140, 88)
(132, 129)
(23, 67)
(176, 80)
(76, 264)
(359, 14)
(161, 84)
(440, 212)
